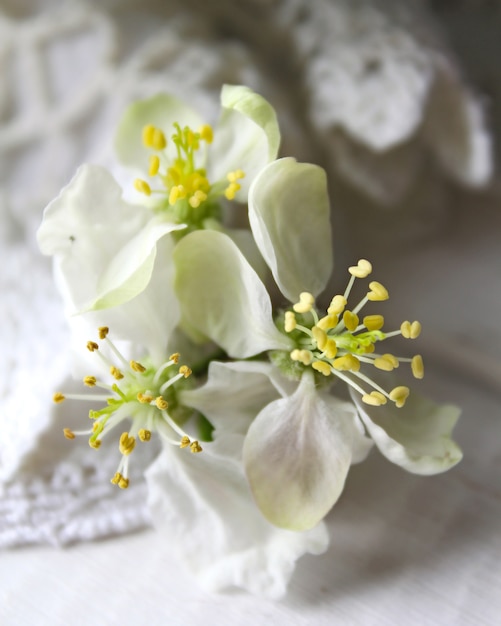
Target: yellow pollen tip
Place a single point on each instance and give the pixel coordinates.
(417, 366)
(195, 447)
(305, 304)
(399, 395)
(374, 398)
(137, 367)
(90, 381)
(410, 331)
(144, 399)
(384, 364)
(185, 371)
(377, 292)
(350, 320)
(206, 133)
(126, 444)
(328, 322)
(337, 305)
(116, 373)
(68, 433)
(158, 140)
(144, 435)
(123, 483)
(290, 321)
(147, 135)
(320, 337)
(185, 442)
(373, 322)
(330, 348)
(161, 403)
(361, 270)
(103, 332)
(58, 397)
(95, 443)
(116, 478)
(142, 186)
(92, 345)
(322, 367)
(231, 191)
(348, 362)
(154, 165)
(175, 357)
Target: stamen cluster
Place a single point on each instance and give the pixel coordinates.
(340, 342)
(140, 392)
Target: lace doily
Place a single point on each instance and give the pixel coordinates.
(368, 83)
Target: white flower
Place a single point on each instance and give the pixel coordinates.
(105, 248)
(299, 447)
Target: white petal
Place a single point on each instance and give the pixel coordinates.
(290, 219)
(297, 454)
(416, 436)
(235, 393)
(202, 506)
(222, 296)
(247, 136)
(162, 111)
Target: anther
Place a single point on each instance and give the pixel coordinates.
(305, 304)
(92, 346)
(185, 371)
(290, 321)
(144, 398)
(185, 442)
(137, 367)
(175, 357)
(68, 433)
(377, 292)
(350, 320)
(348, 362)
(206, 133)
(195, 447)
(103, 332)
(144, 435)
(142, 186)
(161, 403)
(126, 444)
(417, 366)
(58, 397)
(374, 398)
(148, 135)
(322, 367)
(116, 373)
(90, 381)
(399, 395)
(361, 270)
(123, 483)
(328, 322)
(95, 443)
(154, 165)
(373, 322)
(337, 305)
(387, 362)
(158, 140)
(320, 337)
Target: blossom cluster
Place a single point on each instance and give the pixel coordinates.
(260, 410)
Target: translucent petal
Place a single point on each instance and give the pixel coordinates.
(247, 136)
(235, 393)
(417, 436)
(203, 507)
(162, 111)
(297, 454)
(222, 296)
(290, 218)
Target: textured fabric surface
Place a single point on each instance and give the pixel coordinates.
(367, 88)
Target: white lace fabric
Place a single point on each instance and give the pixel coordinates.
(70, 69)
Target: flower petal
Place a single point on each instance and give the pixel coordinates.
(222, 296)
(416, 436)
(247, 136)
(290, 218)
(162, 111)
(297, 454)
(202, 505)
(235, 393)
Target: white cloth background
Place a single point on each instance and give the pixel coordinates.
(370, 90)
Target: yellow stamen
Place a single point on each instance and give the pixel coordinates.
(322, 367)
(144, 399)
(185, 442)
(330, 348)
(161, 403)
(116, 373)
(374, 398)
(350, 320)
(399, 395)
(144, 435)
(361, 270)
(206, 133)
(348, 362)
(410, 331)
(123, 483)
(158, 140)
(92, 345)
(90, 381)
(185, 371)
(154, 165)
(328, 322)
(387, 362)
(195, 447)
(320, 337)
(95, 443)
(148, 132)
(305, 304)
(373, 322)
(174, 357)
(103, 332)
(417, 366)
(126, 444)
(290, 321)
(337, 305)
(68, 433)
(58, 397)
(377, 292)
(142, 186)
(137, 367)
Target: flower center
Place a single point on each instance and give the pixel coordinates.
(339, 343)
(190, 197)
(140, 392)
